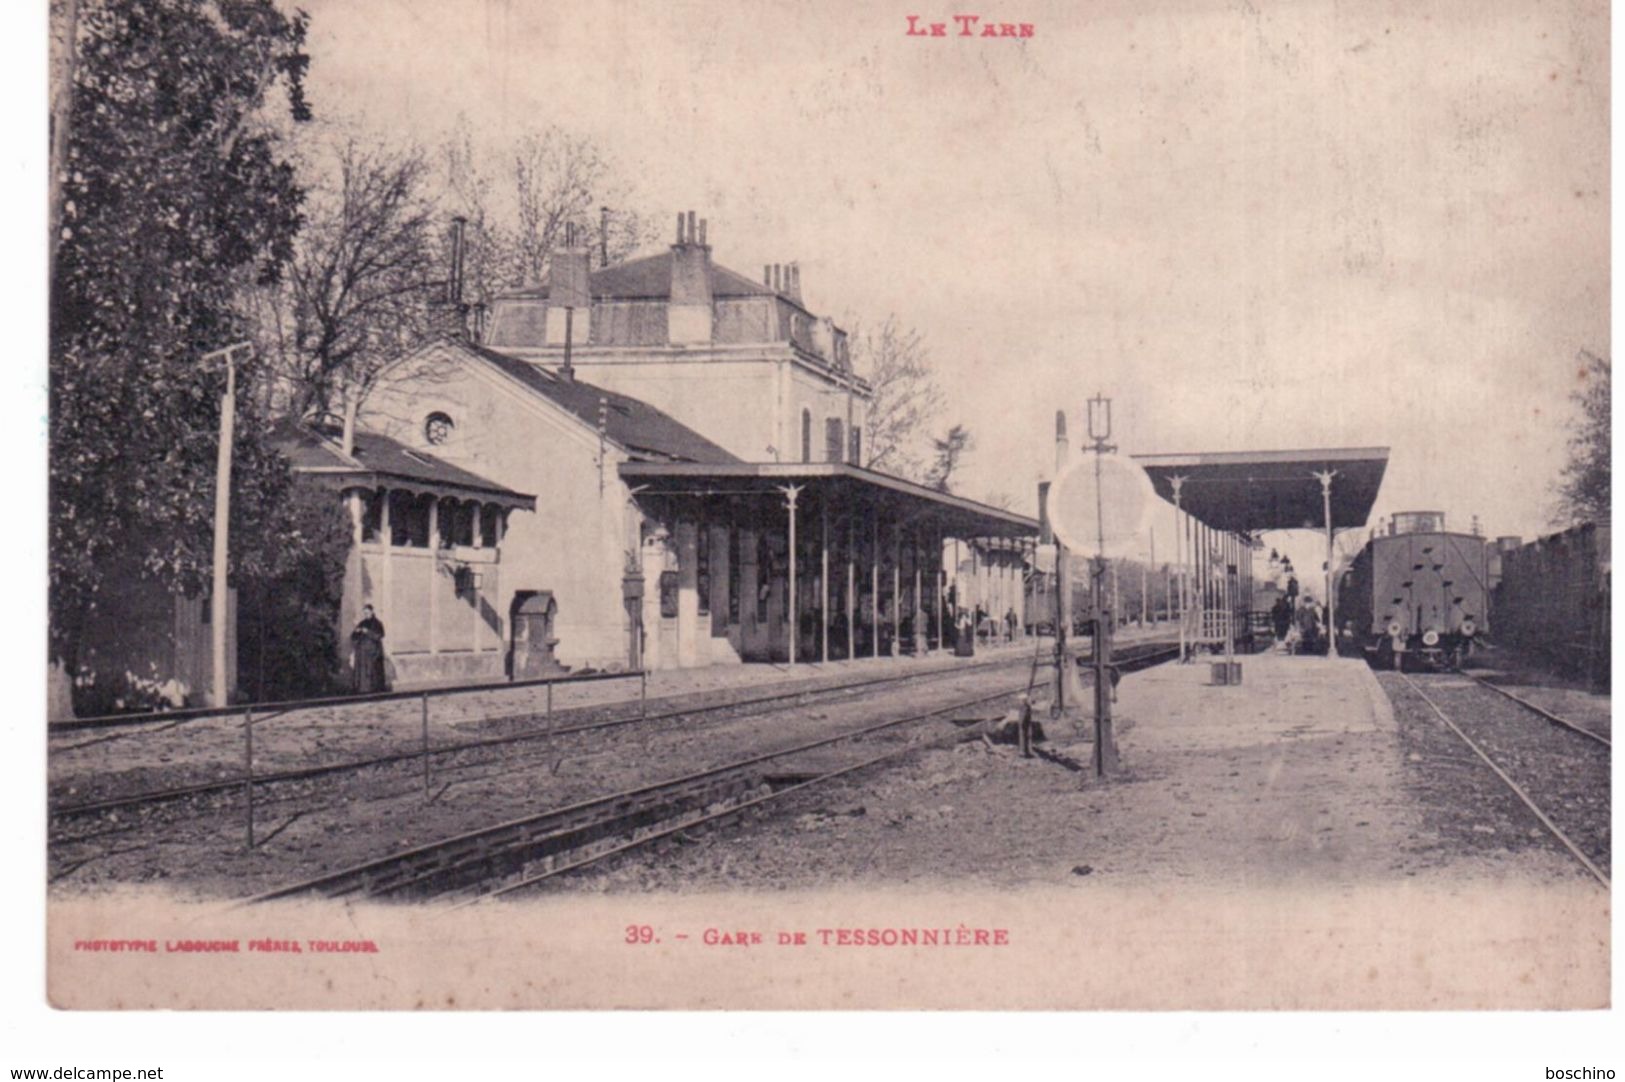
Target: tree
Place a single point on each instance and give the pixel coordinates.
(1585, 492)
(906, 398)
(367, 283)
(173, 198)
(950, 449)
(518, 202)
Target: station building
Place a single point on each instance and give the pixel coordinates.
(693, 440)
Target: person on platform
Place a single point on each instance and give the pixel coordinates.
(1311, 626)
(367, 653)
(1281, 617)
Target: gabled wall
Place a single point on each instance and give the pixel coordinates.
(574, 543)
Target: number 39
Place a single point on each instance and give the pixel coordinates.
(639, 933)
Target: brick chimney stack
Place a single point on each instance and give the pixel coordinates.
(569, 291)
(689, 319)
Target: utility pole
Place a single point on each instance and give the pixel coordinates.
(1325, 478)
(1105, 756)
(221, 691)
(1063, 577)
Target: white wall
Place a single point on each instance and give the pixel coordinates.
(573, 543)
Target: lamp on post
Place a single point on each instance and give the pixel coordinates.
(1325, 478)
(220, 691)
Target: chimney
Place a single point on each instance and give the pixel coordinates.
(767, 274)
(603, 236)
(792, 282)
(1061, 446)
(688, 319)
(569, 295)
(454, 284)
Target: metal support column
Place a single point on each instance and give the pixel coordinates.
(852, 587)
(917, 615)
(896, 590)
(823, 574)
(793, 626)
(874, 586)
(1331, 603)
(939, 576)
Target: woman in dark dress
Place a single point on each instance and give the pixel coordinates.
(367, 647)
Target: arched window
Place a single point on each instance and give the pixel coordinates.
(437, 428)
(806, 435)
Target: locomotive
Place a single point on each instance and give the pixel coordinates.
(1419, 592)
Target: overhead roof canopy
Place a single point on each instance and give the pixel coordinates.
(1252, 491)
(848, 488)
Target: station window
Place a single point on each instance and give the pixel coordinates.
(856, 458)
(409, 520)
(806, 435)
(668, 594)
(834, 451)
(702, 568)
(764, 574)
(372, 516)
(455, 523)
(490, 523)
(733, 576)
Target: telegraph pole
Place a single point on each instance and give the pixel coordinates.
(222, 519)
(1105, 757)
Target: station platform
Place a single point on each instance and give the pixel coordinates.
(1281, 697)
(1296, 774)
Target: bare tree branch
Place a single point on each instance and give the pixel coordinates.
(906, 398)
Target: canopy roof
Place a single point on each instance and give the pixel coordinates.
(376, 461)
(847, 488)
(1252, 491)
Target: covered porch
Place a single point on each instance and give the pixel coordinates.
(814, 562)
(1224, 500)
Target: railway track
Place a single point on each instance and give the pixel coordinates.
(1565, 762)
(522, 853)
(1555, 719)
(443, 752)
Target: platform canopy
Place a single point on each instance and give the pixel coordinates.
(1252, 491)
(845, 486)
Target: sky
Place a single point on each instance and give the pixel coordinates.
(1317, 224)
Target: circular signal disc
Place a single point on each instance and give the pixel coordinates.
(1109, 513)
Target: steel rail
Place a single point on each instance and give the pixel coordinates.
(689, 824)
(736, 809)
(360, 874)
(305, 773)
(1556, 832)
(1555, 719)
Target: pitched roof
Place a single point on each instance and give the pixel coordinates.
(645, 432)
(649, 278)
(316, 449)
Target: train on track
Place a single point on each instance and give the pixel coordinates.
(1419, 593)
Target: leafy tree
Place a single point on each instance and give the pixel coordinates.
(906, 398)
(288, 632)
(950, 451)
(367, 282)
(173, 199)
(1585, 493)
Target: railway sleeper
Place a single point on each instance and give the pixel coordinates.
(630, 821)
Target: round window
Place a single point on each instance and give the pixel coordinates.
(437, 428)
